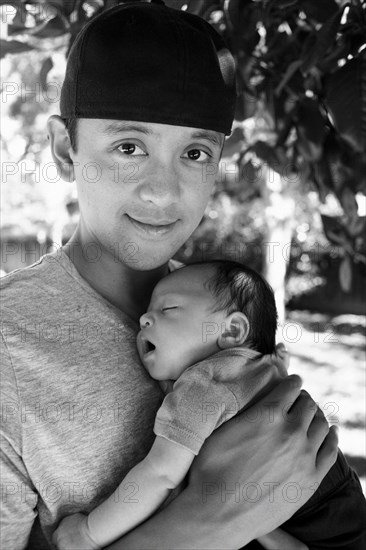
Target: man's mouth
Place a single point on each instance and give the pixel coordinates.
(153, 228)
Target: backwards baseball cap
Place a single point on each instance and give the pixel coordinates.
(147, 62)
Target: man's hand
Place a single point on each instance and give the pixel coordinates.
(265, 463)
(72, 534)
(251, 475)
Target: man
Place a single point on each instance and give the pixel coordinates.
(149, 96)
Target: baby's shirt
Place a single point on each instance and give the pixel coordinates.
(213, 391)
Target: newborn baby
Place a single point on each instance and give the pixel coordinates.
(207, 336)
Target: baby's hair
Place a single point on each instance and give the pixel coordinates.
(240, 288)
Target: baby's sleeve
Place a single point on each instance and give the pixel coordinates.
(194, 409)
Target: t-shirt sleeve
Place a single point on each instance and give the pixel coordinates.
(18, 496)
(196, 406)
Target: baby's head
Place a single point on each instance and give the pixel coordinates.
(201, 309)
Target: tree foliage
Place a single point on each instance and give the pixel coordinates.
(301, 69)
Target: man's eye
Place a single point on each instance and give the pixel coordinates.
(197, 155)
(131, 149)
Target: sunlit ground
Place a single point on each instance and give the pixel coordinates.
(333, 366)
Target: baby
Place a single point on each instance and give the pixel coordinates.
(205, 324)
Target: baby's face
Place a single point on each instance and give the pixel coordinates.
(179, 327)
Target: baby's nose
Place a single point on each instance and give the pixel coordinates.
(145, 320)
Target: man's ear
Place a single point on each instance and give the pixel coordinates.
(236, 331)
(60, 147)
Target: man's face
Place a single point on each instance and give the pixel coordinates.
(142, 187)
(179, 327)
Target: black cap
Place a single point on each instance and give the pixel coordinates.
(150, 63)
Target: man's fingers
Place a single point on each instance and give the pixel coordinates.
(318, 429)
(287, 391)
(327, 454)
(282, 358)
(280, 397)
(303, 409)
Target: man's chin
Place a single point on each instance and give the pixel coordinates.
(147, 258)
(145, 264)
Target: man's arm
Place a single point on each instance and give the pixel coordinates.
(18, 496)
(238, 482)
(280, 540)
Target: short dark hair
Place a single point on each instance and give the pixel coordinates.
(72, 128)
(237, 287)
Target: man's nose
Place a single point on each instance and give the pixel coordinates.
(161, 185)
(146, 320)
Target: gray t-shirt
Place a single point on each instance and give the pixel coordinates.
(78, 408)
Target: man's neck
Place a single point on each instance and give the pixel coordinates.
(125, 288)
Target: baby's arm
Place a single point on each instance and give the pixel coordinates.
(280, 540)
(165, 466)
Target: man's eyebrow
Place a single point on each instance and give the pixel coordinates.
(115, 128)
(210, 136)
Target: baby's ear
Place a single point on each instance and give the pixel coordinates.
(236, 331)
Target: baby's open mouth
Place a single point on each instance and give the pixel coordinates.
(146, 346)
(149, 346)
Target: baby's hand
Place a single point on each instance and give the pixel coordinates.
(72, 534)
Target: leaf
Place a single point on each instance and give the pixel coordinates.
(54, 27)
(279, 8)
(14, 30)
(333, 229)
(233, 10)
(243, 17)
(291, 70)
(320, 10)
(13, 46)
(47, 65)
(285, 3)
(266, 153)
(196, 6)
(308, 149)
(322, 177)
(249, 173)
(345, 274)
(64, 7)
(17, 24)
(234, 143)
(349, 203)
(310, 120)
(345, 100)
(357, 226)
(323, 40)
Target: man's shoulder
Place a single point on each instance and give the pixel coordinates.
(32, 284)
(19, 275)
(30, 274)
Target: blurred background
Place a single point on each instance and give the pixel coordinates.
(290, 193)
